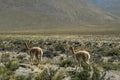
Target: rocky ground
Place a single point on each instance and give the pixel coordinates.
(27, 69)
(24, 70)
(113, 75)
(100, 48)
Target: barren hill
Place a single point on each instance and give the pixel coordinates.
(45, 14)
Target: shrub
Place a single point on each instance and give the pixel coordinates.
(24, 77)
(67, 63)
(20, 77)
(75, 78)
(113, 52)
(46, 74)
(83, 75)
(5, 73)
(21, 56)
(60, 75)
(98, 75)
(10, 64)
(14, 65)
(86, 66)
(110, 66)
(59, 47)
(5, 58)
(86, 74)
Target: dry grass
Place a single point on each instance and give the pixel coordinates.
(55, 53)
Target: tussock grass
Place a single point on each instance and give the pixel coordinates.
(54, 65)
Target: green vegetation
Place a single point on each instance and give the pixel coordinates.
(57, 55)
(68, 63)
(5, 73)
(113, 52)
(110, 66)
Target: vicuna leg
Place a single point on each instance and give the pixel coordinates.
(79, 64)
(40, 58)
(87, 61)
(31, 59)
(37, 57)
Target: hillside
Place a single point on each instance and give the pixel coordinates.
(18, 15)
(112, 6)
(106, 3)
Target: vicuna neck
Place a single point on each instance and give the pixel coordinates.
(26, 45)
(73, 51)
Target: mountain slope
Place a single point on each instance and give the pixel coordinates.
(45, 14)
(106, 3)
(112, 6)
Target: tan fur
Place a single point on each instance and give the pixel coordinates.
(81, 55)
(34, 52)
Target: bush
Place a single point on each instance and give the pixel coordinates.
(10, 64)
(21, 56)
(59, 47)
(24, 77)
(93, 74)
(5, 58)
(75, 78)
(113, 52)
(20, 77)
(67, 63)
(110, 66)
(60, 75)
(97, 74)
(5, 73)
(14, 65)
(46, 74)
(83, 75)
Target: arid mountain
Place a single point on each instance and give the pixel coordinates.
(45, 14)
(112, 6)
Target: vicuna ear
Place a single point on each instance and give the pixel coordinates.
(66, 45)
(26, 42)
(70, 47)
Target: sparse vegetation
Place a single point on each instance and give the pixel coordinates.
(21, 56)
(5, 73)
(110, 66)
(113, 52)
(68, 63)
(63, 66)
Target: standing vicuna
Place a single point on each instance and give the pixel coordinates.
(80, 55)
(36, 52)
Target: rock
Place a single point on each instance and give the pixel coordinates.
(2, 65)
(67, 78)
(26, 69)
(25, 65)
(113, 75)
(23, 71)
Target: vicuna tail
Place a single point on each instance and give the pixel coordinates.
(88, 58)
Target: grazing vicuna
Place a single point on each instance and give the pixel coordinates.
(36, 52)
(80, 55)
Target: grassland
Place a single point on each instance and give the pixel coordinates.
(111, 29)
(57, 60)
